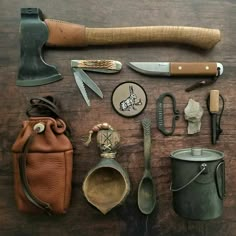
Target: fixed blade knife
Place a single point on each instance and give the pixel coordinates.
(178, 68)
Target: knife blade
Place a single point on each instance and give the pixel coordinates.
(80, 74)
(178, 68)
(80, 84)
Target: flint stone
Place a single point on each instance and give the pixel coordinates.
(193, 113)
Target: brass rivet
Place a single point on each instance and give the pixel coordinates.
(180, 67)
(207, 67)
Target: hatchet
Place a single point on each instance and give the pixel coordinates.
(35, 32)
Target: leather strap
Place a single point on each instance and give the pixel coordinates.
(204, 83)
(24, 181)
(65, 34)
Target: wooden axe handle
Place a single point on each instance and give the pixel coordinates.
(65, 34)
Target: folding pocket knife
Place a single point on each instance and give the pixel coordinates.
(81, 78)
(101, 66)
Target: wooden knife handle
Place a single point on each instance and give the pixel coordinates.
(214, 101)
(193, 68)
(67, 34)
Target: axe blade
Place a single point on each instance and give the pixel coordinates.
(33, 70)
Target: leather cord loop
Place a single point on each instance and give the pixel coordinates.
(47, 106)
(43, 106)
(24, 181)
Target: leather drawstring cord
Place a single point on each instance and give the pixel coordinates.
(40, 106)
(46, 106)
(24, 181)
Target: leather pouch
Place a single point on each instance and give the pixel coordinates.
(42, 160)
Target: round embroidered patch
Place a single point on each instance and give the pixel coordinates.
(129, 99)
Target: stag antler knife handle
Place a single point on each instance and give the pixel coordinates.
(103, 66)
(67, 34)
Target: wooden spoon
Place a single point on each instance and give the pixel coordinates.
(146, 190)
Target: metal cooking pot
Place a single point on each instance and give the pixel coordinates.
(198, 183)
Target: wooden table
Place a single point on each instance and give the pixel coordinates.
(82, 219)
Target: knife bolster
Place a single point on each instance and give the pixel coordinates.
(193, 69)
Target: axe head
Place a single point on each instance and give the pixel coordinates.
(33, 70)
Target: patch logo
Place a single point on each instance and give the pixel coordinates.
(129, 99)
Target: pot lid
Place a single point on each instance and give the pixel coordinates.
(197, 154)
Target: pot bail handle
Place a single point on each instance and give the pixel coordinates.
(221, 192)
(203, 167)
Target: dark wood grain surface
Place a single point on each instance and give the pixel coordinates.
(82, 219)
